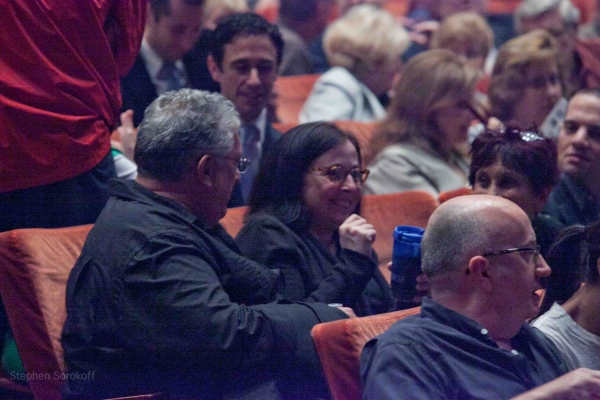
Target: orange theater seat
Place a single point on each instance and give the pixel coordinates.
(339, 344)
(450, 194)
(386, 211)
(233, 220)
(292, 92)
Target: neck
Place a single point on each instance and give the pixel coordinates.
(324, 235)
(171, 190)
(583, 308)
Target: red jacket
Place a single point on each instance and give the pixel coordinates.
(60, 64)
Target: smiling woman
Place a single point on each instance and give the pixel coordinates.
(303, 221)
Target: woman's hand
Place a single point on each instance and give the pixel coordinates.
(423, 288)
(357, 234)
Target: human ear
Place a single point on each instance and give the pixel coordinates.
(205, 169)
(478, 269)
(213, 68)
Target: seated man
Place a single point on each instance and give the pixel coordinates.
(160, 299)
(576, 199)
(471, 340)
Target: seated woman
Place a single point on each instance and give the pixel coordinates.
(520, 166)
(526, 84)
(364, 49)
(430, 113)
(303, 221)
(574, 326)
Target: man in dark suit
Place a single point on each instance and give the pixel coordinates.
(166, 60)
(244, 59)
(576, 199)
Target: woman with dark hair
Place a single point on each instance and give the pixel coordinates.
(303, 221)
(520, 166)
(574, 326)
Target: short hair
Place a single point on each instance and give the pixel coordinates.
(163, 7)
(364, 38)
(533, 8)
(180, 126)
(429, 81)
(515, 57)
(242, 24)
(453, 236)
(535, 159)
(464, 27)
(278, 186)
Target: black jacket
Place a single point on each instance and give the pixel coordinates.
(158, 303)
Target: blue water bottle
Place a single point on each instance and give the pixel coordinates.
(406, 264)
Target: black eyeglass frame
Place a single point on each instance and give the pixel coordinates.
(536, 249)
(243, 163)
(363, 173)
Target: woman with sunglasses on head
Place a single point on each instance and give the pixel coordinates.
(520, 166)
(304, 221)
(574, 326)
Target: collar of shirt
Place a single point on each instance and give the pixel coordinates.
(154, 63)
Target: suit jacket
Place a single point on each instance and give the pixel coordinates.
(138, 91)
(271, 135)
(570, 203)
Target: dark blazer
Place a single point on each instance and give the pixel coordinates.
(271, 135)
(570, 203)
(138, 91)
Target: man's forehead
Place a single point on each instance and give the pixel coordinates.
(584, 106)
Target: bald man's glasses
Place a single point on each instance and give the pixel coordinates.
(536, 254)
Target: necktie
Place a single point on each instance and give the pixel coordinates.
(250, 137)
(171, 75)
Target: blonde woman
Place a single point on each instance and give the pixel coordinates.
(363, 48)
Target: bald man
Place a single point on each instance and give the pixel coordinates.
(471, 340)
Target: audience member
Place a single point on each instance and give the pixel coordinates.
(183, 313)
(591, 30)
(413, 147)
(364, 48)
(164, 62)
(440, 9)
(468, 35)
(216, 10)
(483, 264)
(574, 326)
(526, 83)
(303, 221)
(576, 198)
(301, 22)
(245, 55)
(520, 166)
(560, 19)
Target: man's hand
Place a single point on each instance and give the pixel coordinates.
(581, 384)
(357, 234)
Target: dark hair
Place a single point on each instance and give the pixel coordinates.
(535, 159)
(278, 186)
(574, 259)
(163, 7)
(242, 24)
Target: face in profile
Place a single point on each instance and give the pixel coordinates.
(248, 73)
(329, 202)
(541, 92)
(453, 121)
(498, 180)
(173, 35)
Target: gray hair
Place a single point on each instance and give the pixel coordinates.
(180, 126)
(532, 8)
(454, 235)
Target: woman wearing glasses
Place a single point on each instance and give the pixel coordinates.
(574, 326)
(430, 113)
(520, 166)
(303, 221)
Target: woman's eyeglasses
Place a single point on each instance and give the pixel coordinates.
(338, 174)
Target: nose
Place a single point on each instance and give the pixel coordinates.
(580, 138)
(542, 269)
(253, 78)
(348, 183)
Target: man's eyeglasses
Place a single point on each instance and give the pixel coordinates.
(338, 174)
(242, 163)
(536, 250)
(571, 127)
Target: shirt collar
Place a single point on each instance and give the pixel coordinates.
(154, 63)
